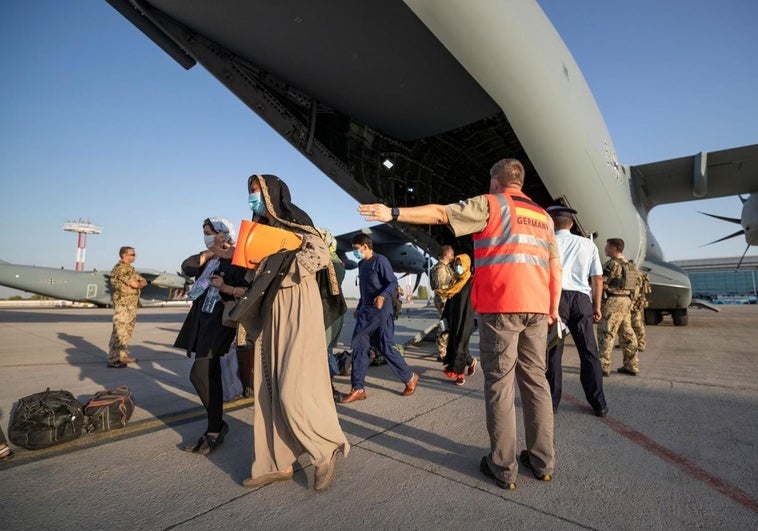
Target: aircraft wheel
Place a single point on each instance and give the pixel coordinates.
(680, 317)
(653, 317)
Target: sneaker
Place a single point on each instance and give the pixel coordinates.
(116, 365)
(472, 367)
(524, 458)
(461, 380)
(450, 374)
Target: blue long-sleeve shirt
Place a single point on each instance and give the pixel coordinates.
(376, 278)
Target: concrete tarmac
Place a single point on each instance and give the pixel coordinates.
(677, 451)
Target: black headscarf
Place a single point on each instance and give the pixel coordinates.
(279, 206)
(281, 211)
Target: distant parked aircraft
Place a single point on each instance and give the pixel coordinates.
(391, 243)
(89, 286)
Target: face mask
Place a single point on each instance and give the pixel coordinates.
(210, 239)
(358, 254)
(459, 270)
(256, 204)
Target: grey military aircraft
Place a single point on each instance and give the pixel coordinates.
(390, 242)
(411, 101)
(88, 286)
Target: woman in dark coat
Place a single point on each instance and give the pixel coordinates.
(459, 315)
(202, 333)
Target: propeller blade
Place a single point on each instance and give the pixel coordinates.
(722, 218)
(742, 258)
(725, 237)
(418, 281)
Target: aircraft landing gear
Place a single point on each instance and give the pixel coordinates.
(680, 317)
(653, 317)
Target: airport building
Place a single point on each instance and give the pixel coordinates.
(719, 278)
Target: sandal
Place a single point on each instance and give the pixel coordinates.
(5, 452)
(210, 442)
(196, 448)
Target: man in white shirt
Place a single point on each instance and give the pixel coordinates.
(579, 308)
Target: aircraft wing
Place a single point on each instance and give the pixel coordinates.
(162, 279)
(703, 176)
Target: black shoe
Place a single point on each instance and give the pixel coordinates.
(524, 458)
(210, 442)
(601, 412)
(117, 365)
(196, 448)
(624, 370)
(485, 469)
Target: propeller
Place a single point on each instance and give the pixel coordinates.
(730, 220)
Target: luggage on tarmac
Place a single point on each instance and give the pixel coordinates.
(46, 419)
(109, 410)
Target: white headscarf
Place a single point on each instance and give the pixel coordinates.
(224, 225)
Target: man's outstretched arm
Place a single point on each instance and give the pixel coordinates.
(418, 215)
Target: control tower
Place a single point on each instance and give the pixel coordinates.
(82, 228)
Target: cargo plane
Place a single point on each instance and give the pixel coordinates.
(409, 102)
(89, 286)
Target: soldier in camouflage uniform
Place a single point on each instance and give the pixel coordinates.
(125, 285)
(616, 312)
(441, 277)
(639, 303)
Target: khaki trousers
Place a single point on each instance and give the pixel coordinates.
(514, 345)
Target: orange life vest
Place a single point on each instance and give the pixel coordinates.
(512, 257)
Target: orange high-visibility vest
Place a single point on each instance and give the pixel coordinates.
(512, 257)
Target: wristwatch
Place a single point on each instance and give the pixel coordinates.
(395, 213)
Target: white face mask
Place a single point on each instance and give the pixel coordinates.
(210, 239)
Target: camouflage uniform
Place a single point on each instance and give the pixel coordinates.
(616, 311)
(639, 303)
(442, 276)
(125, 301)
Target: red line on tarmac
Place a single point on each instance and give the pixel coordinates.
(716, 483)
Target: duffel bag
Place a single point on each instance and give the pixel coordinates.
(46, 419)
(109, 410)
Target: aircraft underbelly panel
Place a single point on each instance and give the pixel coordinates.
(372, 60)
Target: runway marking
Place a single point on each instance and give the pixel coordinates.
(682, 463)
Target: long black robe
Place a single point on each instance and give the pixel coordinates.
(459, 315)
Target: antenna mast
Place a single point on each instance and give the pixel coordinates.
(82, 228)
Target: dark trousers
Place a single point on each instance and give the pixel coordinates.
(206, 378)
(576, 312)
(380, 325)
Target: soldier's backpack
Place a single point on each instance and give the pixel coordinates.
(46, 419)
(109, 410)
(629, 276)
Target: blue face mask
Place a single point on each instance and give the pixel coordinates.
(256, 204)
(358, 254)
(459, 270)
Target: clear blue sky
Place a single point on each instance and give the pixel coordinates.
(96, 122)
